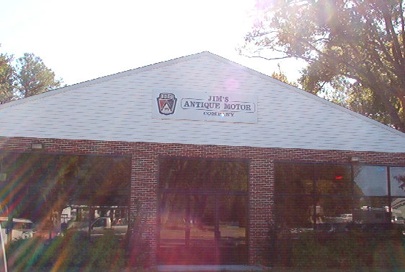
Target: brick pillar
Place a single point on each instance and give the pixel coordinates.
(260, 204)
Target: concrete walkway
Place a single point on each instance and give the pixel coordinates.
(208, 268)
(248, 268)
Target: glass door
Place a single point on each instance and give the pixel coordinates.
(202, 228)
(202, 211)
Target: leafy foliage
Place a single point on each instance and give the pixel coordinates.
(280, 75)
(68, 253)
(24, 77)
(355, 48)
(33, 76)
(348, 251)
(7, 74)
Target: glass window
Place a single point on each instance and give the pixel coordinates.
(294, 179)
(397, 181)
(203, 211)
(334, 209)
(371, 180)
(293, 212)
(184, 174)
(398, 210)
(370, 202)
(328, 196)
(333, 179)
(397, 186)
(308, 194)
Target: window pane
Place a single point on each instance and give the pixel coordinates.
(293, 212)
(175, 211)
(333, 180)
(371, 180)
(332, 213)
(398, 210)
(371, 210)
(188, 174)
(370, 202)
(397, 179)
(294, 178)
(232, 217)
(336, 209)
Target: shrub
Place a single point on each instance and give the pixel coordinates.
(107, 253)
(348, 250)
(73, 251)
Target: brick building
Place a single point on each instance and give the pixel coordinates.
(185, 122)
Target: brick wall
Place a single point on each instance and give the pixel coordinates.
(144, 173)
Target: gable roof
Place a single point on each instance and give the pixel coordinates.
(119, 108)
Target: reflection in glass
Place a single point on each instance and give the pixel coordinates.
(200, 174)
(308, 194)
(185, 216)
(397, 181)
(203, 211)
(294, 212)
(370, 202)
(371, 181)
(328, 196)
(335, 209)
(333, 179)
(294, 179)
(398, 210)
(232, 219)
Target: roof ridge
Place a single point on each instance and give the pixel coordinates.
(147, 67)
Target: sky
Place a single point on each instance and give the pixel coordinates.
(85, 39)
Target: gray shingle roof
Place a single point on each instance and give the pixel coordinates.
(119, 108)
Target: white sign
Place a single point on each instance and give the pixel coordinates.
(224, 107)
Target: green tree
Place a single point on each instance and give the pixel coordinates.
(281, 76)
(7, 73)
(354, 49)
(33, 77)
